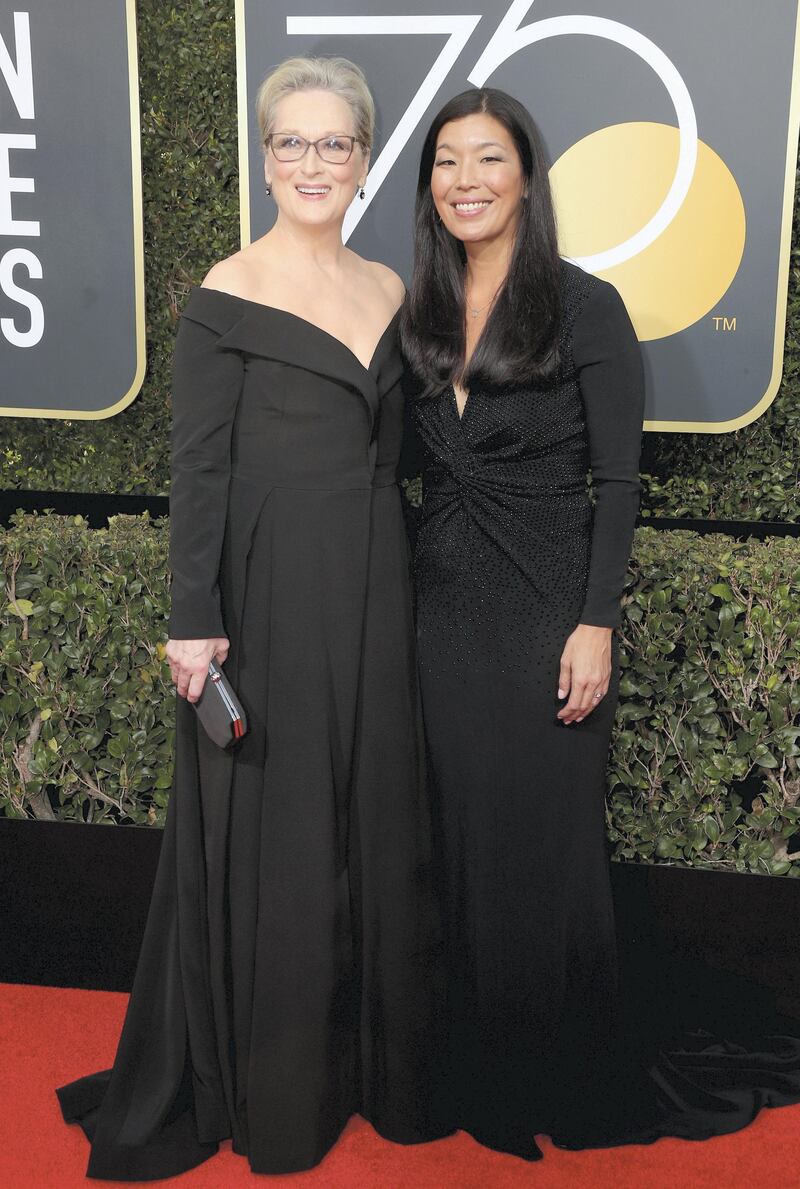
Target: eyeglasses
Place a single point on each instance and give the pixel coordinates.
(333, 149)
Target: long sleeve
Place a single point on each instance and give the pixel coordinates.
(609, 362)
(207, 382)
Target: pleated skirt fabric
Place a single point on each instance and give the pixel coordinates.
(287, 976)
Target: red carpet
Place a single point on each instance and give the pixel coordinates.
(49, 1036)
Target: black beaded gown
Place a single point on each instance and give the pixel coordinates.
(511, 555)
(285, 977)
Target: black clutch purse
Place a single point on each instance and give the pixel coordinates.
(219, 710)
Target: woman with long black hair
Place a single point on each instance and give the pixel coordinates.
(527, 377)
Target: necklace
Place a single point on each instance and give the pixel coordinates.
(473, 312)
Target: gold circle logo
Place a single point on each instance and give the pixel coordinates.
(626, 170)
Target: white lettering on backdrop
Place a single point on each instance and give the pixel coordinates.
(17, 75)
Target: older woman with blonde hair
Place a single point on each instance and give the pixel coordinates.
(283, 982)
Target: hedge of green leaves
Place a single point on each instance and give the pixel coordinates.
(86, 714)
(190, 178)
(704, 768)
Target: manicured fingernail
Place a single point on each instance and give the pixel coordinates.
(561, 693)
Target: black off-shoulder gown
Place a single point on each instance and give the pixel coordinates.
(284, 981)
(511, 555)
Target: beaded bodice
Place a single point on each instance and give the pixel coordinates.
(505, 539)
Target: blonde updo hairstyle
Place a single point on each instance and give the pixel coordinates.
(337, 75)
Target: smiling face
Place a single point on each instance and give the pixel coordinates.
(477, 180)
(311, 190)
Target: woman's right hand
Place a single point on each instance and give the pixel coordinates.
(189, 660)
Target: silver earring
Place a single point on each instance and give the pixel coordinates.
(268, 190)
(361, 193)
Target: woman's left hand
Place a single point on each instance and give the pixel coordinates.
(585, 671)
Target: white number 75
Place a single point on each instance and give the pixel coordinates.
(459, 28)
(506, 40)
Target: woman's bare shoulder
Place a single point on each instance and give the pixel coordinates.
(388, 280)
(381, 277)
(238, 275)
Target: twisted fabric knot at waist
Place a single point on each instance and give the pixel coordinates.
(530, 478)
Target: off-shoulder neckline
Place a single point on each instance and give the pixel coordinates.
(260, 305)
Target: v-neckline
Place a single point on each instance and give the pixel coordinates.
(305, 321)
(462, 414)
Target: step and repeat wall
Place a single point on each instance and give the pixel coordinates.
(672, 130)
(673, 135)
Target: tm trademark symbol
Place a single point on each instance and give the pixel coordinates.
(723, 323)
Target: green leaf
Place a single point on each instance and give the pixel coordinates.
(21, 607)
(711, 829)
(780, 867)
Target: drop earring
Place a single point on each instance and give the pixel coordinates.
(268, 189)
(361, 193)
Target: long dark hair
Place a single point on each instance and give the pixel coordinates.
(520, 340)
